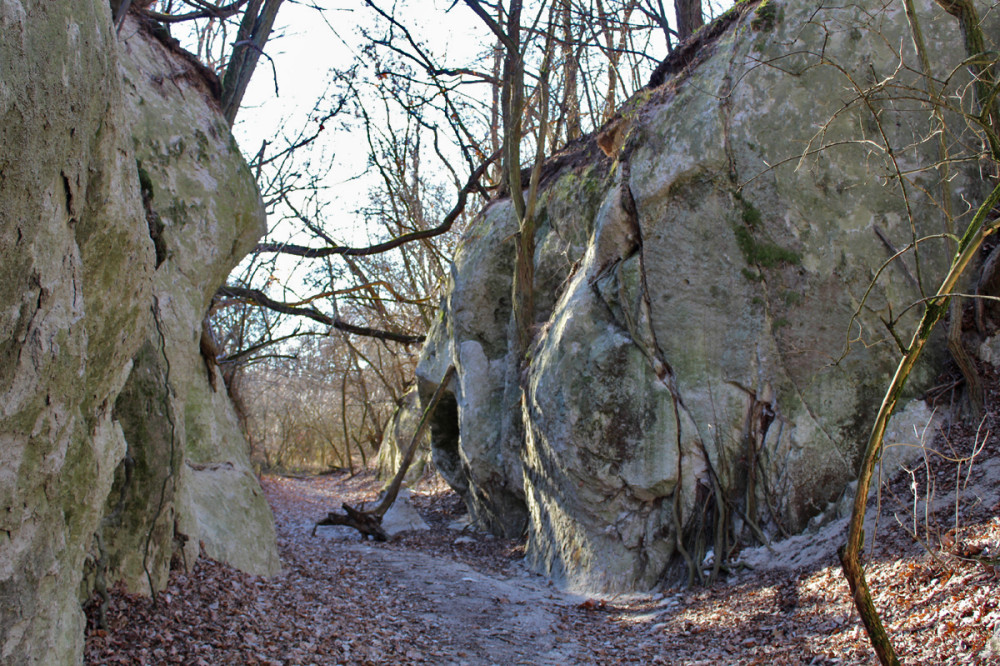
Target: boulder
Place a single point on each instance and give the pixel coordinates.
(76, 269)
(184, 440)
(710, 348)
(402, 516)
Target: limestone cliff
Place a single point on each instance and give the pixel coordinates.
(76, 280)
(708, 355)
(187, 474)
(99, 314)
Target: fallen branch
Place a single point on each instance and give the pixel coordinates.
(369, 523)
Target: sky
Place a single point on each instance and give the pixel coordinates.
(306, 45)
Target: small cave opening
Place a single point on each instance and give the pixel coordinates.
(444, 443)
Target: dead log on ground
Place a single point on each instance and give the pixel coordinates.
(369, 523)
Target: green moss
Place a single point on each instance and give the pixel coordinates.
(756, 251)
(781, 322)
(792, 298)
(592, 186)
(765, 17)
(727, 15)
(761, 253)
(751, 215)
(632, 105)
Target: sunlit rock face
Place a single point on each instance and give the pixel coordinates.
(76, 275)
(707, 350)
(112, 442)
(187, 479)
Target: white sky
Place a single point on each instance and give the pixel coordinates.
(305, 48)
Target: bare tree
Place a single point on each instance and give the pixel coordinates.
(441, 137)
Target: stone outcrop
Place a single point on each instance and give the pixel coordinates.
(100, 311)
(202, 207)
(76, 264)
(708, 356)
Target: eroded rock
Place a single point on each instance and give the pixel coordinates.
(203, 209)
(75, 286)
(124, 203)
(707, 348)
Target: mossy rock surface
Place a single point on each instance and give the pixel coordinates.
(723, 323)
(76, 267)
(201, 194)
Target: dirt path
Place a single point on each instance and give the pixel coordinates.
(443, 596)
(498, 615)
(492, 620)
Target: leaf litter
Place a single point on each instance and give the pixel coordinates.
(460, 596)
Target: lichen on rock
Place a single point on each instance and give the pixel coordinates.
(76, 284)
(708, 356)
(198, 188)
(105, 400)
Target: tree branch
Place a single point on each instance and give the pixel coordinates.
(257, 297)
(317, 252)
(255, 28)
(208, 12)
(850, 552)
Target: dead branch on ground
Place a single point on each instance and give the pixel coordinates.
(369, 523)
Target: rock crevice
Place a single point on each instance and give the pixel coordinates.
(97, 308)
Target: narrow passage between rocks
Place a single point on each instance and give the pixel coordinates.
(453, 596)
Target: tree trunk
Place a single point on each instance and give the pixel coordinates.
(343, 422)
(850, 553)
(255, 29)
(689, 17)
(369, 523)
(571, 68)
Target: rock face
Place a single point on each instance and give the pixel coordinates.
(202, 206)
(100, 313)
(75, 268)
(709, 356)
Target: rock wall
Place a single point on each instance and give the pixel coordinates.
(202, 205)
(98, 350)
(708, 352)
(76, 264)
